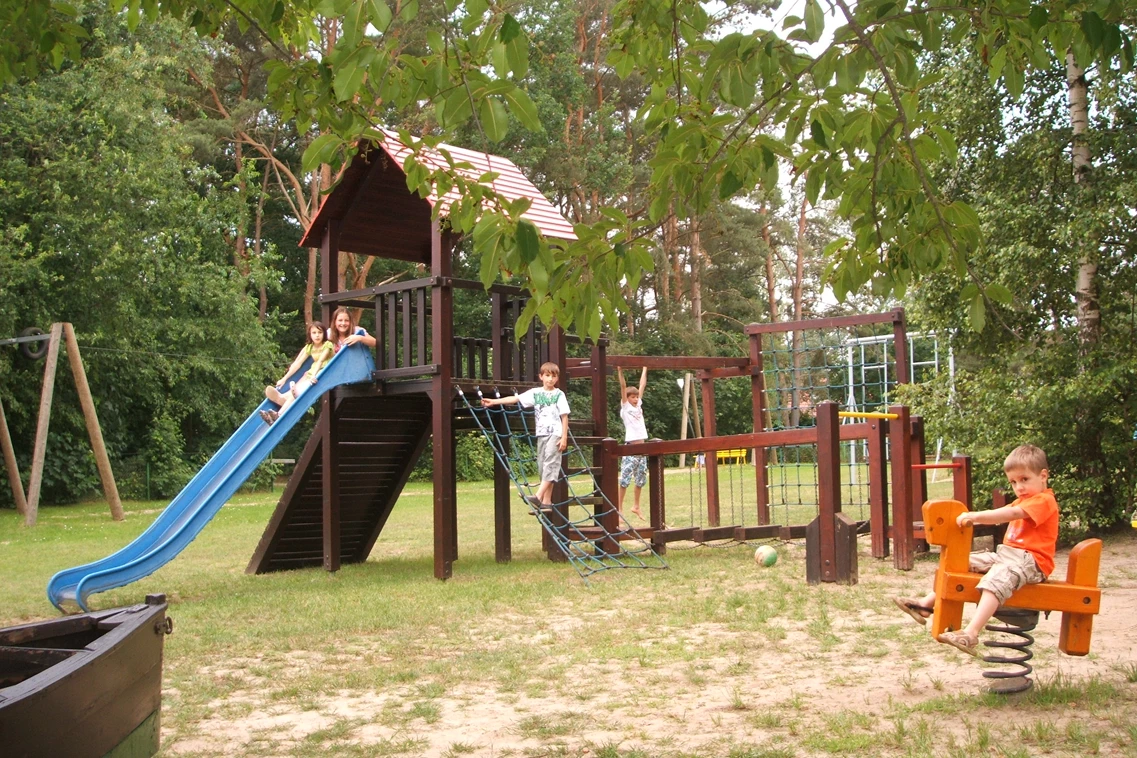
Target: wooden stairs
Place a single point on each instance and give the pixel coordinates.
(380, 440)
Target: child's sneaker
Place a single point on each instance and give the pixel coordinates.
(269, 416)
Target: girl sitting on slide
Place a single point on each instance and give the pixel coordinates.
(320, 350)
(344, 332)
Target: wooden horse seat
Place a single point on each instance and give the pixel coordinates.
(1078, 598)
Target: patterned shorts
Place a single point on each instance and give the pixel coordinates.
(633, 466)
(1005, 571)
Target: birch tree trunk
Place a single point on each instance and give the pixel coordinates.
(1086, 291)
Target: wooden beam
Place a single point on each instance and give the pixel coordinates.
(43, 420)
(781, 327)
(677, 362)
(102, 461)
(328, 428)
(442, 402)
(10, 465)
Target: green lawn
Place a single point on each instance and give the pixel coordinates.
(714, 658)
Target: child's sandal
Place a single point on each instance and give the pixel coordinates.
(919, 613)
(960, 641)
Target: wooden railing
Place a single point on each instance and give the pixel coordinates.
(404, 348)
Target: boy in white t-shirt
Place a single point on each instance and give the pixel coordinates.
(632, 467)
(550, 426)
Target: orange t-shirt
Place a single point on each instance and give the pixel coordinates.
(1038, 533)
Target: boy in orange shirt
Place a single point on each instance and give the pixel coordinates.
(1025, 557)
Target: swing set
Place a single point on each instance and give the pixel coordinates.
(47, 345)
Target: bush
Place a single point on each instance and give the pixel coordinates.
(1084, 420)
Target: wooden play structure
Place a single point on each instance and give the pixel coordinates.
(28, 505)
(369, 436)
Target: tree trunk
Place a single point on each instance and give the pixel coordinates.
(771, 279)
(1086, 292)
(696, 275)
(797, 290)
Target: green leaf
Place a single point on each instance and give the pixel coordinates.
(322, 150)
(457, 108)
(814, 20)
(521, 106)
(510, 29)
(528, 241)
(817, 131)
(977, 313)
(999, 293)
(729, 185)
(381, 15)
(813, 184)
(1094, 28)
(494, 119)
(476, 8)
(1038, 17)
(409, 11)
(517, 51)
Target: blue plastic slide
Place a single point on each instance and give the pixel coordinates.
(201, 499)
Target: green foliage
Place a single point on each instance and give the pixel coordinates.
(108, 224)
(1034, 376)
(473, 457)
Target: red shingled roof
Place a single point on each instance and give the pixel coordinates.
(511, 183)
(379, 216)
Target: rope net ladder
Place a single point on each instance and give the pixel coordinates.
(577, 523)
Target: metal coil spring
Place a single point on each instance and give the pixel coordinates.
(1015, 624)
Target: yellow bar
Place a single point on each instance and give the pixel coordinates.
(858, 414)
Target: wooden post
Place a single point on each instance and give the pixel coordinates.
(758, 408)
(442, 393)
(961, 480)
(710, 430)
(327, 426)
(655, 502)
(502, 492)
(102, 461)
(900, 346)
(878, 487)
(919, 476)
(828, 486)
(42, 423)
(900, 436)
(11, 467)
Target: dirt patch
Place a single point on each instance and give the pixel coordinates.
(871, 683)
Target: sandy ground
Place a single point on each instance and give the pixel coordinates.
(736, 706)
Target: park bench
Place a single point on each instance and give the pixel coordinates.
(1078, 598)
(737, 455)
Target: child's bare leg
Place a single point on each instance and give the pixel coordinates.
(273, 394)
(636, 507)
(545, 493)
(620, 501)
(984, 610)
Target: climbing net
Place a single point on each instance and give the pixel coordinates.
(577, 523)
(855, 367)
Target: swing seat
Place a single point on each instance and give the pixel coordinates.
(1078, 598)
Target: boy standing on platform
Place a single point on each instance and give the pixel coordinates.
(550, 427)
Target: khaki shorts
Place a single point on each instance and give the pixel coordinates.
(1005, 571)
(549, 458)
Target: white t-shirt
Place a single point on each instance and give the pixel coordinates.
(549, 407)
(633, 418)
